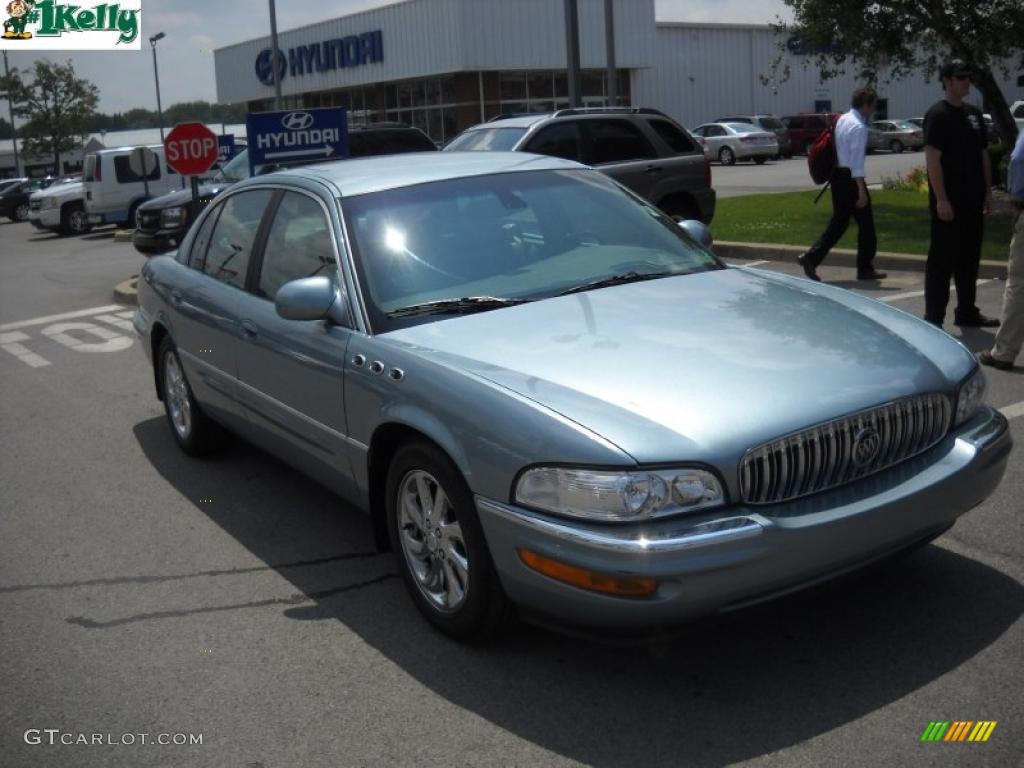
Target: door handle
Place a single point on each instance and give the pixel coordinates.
(249, 329)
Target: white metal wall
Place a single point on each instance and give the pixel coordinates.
(424, 37)
(704, 71)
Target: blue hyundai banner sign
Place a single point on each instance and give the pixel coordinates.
(280, 138)
(226, 147)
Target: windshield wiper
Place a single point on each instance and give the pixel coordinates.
(456, 306)
(625, 277)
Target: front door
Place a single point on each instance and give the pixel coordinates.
(291, 372)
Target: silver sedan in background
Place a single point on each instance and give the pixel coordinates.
(895, 135)
(729, 142)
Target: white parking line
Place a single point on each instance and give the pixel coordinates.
(1013, 411)
(916, 294)
(65, 316)
(120, 322)
(9, 343)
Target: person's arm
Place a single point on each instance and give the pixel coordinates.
(932, 158)
(858, 150)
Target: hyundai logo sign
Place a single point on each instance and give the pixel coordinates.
(339, 53)
(297, 121)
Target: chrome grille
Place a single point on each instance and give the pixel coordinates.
(35, 205)
(841, 451)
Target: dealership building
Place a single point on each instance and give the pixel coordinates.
(444, 65)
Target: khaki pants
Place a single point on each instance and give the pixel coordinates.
(1011, 333)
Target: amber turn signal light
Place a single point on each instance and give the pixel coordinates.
(623, 586)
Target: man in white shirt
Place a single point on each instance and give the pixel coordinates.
(850, 197)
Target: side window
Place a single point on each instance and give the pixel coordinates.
(815, 124)
(615, 141)
(715, 130)
(795, 123)
(227, 258)
(299, 245)
(197, 255)
(558, 140)
(1019, 111)
(671, 135)
(125, 175)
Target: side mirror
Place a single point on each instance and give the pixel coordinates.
(312, 298)
(699, 231)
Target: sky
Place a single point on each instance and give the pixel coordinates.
(195, 27)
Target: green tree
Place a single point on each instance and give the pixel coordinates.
(56, 107)
(907, 36)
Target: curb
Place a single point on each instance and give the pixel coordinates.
(841, 257)
(126, 292)
(123, 236)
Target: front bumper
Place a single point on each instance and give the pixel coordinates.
(45, 218)
(160, 241)
(741, 555)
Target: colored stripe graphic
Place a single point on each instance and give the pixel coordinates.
(958, 730)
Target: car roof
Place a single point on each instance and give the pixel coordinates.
(518, 121)
(373, 174)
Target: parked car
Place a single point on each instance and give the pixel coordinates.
(643, 149)
(162, 223)
(114, 192)
(894, 135)
(804, 129)
(549, 397)
(14, 199)
(6, 184)
(918, 121)
(60, 208)
(769, 123)
(729, 142)
(1017, 110)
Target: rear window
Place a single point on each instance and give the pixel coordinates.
(744, 127)
(486, 138)
(615, 141)
(125, 174)
(771, 123)
(363, 144)
(673, 136)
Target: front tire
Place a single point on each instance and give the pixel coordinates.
(74, 220)
(193, 430)
(439, 545)
(726, 156)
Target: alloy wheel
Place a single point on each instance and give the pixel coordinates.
(176, 395)
(78, 222)
(432, 541)
(21, 212)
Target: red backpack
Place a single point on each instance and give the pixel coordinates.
(821, 157)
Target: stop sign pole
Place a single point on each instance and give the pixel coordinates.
(191, 150)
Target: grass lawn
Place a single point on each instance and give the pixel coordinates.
(901, 220)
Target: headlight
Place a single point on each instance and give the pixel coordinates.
(172, 217)
(618, 496)
(48, 202)
(970, 398)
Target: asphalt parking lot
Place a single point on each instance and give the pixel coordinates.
(145, 592)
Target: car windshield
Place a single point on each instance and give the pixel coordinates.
(486, 138)
(486, 241)
(236, 169)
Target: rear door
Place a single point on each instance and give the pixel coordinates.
(291, 372)
(558, 139)
(620, 149)
(205, 305)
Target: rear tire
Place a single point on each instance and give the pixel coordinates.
(896, 147)
(20, 213)
(439, 545)
(760, 160)
(193, 430)
(726, 156)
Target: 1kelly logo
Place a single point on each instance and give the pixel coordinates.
(50, 25)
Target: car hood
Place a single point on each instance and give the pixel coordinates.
(699, 367)
(71, 189)
(183, 196)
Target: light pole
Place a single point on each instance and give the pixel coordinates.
(156, 76)
(275, 52)
(572, 52)
(10, 109)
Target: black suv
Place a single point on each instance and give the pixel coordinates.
(642, 149)
(161, 223)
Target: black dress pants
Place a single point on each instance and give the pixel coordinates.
(954, 251)
(844, 207)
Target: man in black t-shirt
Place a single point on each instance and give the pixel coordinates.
(959, 184)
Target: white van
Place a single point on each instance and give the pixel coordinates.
(113, 191)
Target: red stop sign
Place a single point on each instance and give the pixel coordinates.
(191, 148)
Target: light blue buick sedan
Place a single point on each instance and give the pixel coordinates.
(551, 400)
